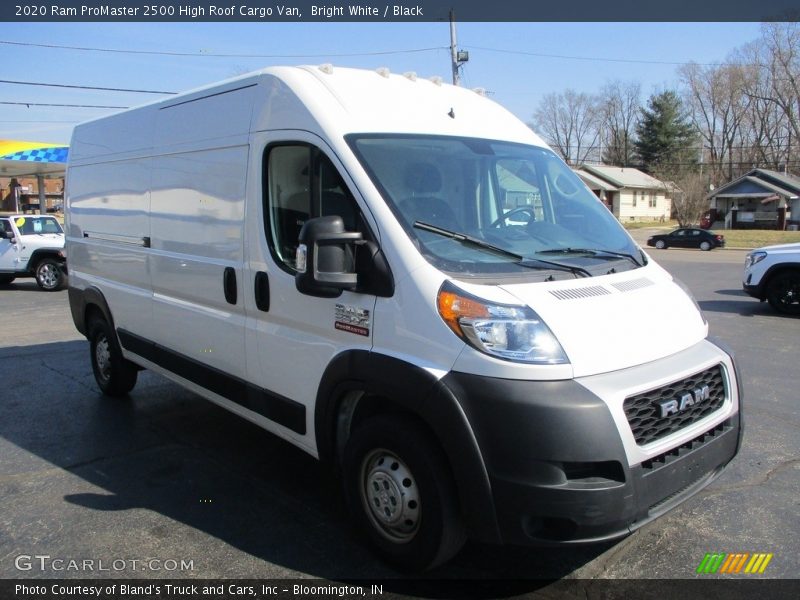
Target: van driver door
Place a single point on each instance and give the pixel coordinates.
(292, 337)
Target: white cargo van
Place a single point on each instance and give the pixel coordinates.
(400, 278)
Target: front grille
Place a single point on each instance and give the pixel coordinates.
(644, 411)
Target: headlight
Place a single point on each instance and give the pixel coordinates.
(509, 332)
(753, 258)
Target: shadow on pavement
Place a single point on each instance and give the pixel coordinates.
(167, 451)
(743, 305)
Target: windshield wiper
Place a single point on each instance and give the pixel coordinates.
(468, 240)
(593, 251)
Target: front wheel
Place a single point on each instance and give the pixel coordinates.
(114, 375)
(49, 275)
(401, 494)
(661, 244)
(783, 293)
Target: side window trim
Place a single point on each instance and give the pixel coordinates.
(316, 158)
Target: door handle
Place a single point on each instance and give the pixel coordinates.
(229, 284)
(262, 291)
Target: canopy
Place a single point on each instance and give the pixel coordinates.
(28, 159)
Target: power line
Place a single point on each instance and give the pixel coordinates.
(84, 87)
(594, 58)
(221, 55)
(29, 104)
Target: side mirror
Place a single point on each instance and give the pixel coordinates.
(325, 259)
(7, 235)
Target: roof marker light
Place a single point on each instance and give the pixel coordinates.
(480, 91)
(383, 72)
(436, 80)
(410, 75)
(327, 68)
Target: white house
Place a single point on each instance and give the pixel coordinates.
(629, 194)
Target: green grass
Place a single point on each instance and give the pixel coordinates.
(755, 238)
(644, 224)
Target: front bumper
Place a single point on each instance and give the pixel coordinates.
(558, 466)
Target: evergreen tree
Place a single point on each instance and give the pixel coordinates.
(665, 136)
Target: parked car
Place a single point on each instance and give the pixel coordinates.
(32, 246)
(687, 237)
(772, 273)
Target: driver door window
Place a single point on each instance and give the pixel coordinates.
(302, 183)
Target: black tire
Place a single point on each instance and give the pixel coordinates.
(401, 493)
(705, 246)
(49, 274)
(661, 245)
(783, 293)
(6, 279)
(114, 375)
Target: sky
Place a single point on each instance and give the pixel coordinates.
(517, 63)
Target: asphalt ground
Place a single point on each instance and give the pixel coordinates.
(165, 475)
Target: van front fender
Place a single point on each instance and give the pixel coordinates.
(415, 390)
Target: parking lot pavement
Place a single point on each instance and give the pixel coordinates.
(167, 476)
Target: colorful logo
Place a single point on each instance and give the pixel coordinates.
(736, 563)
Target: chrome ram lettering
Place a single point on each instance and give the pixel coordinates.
(678, 405)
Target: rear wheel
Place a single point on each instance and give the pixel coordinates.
(783, 293)
(706, 246)
(661, 244)
(6, 279)
(49, 275)
(401, 494)
(114, 375)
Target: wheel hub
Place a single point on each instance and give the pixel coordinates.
(102, 356)
(48, 275)
(391, 496)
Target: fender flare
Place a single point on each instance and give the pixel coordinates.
(425, 396)
(80, 300)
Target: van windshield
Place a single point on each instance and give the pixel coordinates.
(522, 200)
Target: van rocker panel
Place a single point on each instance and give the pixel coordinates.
(283, 411)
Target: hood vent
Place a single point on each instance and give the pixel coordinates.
(633, 284)
(599, 290)
(578, 293)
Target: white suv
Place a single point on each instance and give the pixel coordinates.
(32, 246)
(772, 273)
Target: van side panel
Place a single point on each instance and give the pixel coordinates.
(197, 233)
(109, 205)
(197, 226)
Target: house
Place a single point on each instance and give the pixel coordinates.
(629, 194)
(759, 199)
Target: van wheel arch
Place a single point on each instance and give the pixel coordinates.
(359, 386)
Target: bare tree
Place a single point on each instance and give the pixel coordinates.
(619, 106)
(569, 123)
(772, 74)
(717, 107)
(688, 189)
(782, 42)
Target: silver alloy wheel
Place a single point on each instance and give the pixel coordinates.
(390, 496)
(102, 356)
(705, 246)
(48, 275)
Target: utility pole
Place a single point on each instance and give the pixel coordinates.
(457, 57)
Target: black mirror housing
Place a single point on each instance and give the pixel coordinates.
(326, 258)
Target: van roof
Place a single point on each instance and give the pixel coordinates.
(327, 100)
